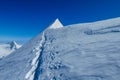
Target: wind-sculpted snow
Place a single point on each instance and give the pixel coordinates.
(75, 52)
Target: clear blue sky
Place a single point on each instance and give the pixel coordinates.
(23, 19)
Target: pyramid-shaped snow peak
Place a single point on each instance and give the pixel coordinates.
(56, 24)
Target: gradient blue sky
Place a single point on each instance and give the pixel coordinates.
(22, 19)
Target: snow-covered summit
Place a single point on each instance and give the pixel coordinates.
(13, 45)
(56, 24)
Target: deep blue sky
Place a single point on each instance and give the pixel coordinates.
(23, 19)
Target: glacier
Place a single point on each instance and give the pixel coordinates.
(85, 51)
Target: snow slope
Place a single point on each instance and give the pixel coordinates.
(6, 49)
(88, 51)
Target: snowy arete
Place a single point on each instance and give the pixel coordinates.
(87, 51)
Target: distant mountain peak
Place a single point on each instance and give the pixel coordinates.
(13, 45)
(56, 24)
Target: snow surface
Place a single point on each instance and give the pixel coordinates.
(89, 51)
(6, 49)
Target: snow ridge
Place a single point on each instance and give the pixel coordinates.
(31, 75)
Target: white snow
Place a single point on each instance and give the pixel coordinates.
(4, 50)
(56, 24)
